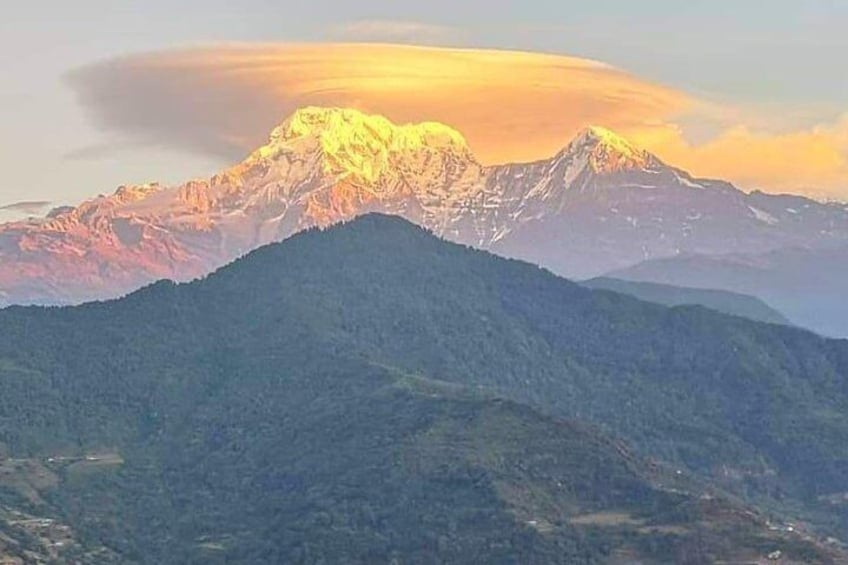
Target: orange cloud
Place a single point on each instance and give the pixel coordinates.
(511, 106)
(813, 161)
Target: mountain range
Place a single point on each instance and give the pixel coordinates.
(598, 205)
(807, 285)
(371, 393)
(745, 305)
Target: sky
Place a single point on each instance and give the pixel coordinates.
(97, 93)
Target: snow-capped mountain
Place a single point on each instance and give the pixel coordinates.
(619, 206)
(599, 204)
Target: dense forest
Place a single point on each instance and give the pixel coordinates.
(370, 393)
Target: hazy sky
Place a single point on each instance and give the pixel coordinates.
(779, 65)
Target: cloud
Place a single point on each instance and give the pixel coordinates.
(28, 207)
(21, 210)
(394, 32)
(223, 100)
(810, 160)
(102, 150)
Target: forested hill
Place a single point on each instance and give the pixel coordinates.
(249, 410)
(669, 295)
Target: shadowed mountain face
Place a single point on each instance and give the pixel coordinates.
(808, 285)
(720, 300)
(375, 392)
(599, 204)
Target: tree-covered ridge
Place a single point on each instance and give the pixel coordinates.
(398, 294)
(263, 398)
(341, 461)
(720, 300)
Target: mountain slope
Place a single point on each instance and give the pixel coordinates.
(599, 204)
(720, 300)
(809, 285)
(345, 462)
(211, 391)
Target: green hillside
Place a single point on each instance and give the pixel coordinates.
(371, 393)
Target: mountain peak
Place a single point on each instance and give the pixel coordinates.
(356, 143)
(602, 136)
(328, 121)
(608, 152)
